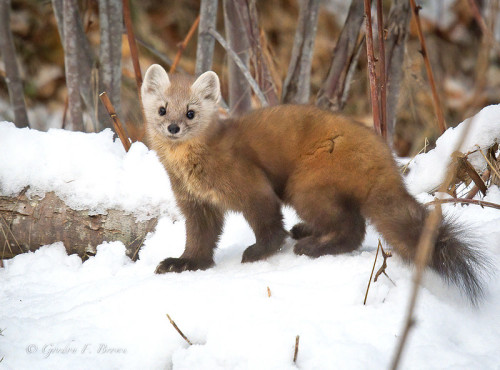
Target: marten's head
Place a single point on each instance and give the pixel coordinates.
(176, 107)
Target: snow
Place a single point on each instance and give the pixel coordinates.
(427, 170)
(109, 312)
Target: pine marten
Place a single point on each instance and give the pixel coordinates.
(334, 172)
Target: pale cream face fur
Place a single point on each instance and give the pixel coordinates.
(167, 103)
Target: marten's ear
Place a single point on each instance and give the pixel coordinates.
(156, 79)
(207, 86)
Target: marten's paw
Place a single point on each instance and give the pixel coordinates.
(301, 230)
(180, 264)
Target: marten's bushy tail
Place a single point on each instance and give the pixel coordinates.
(456, 257)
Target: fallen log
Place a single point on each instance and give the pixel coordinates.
(27, 224)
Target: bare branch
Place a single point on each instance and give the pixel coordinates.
(12, 77)
(296, 88)
(205, 48)
(240, 98)
(430, 75)
(382, 80)
(476, 202)
(70, 12)
(240, 64)
(183, 44)
(371, 67)
(398, 27)
(333, 92)
(110, 52)
(132, 45)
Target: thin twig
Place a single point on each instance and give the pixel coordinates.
(178, 330)
(183, 44)
(132, 45)
(236, 59)
(372, 76)
(430, 75)
(476, 202)
(296, 352)
(371, 275)
(116, 121)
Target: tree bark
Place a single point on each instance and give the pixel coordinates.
(70, 12)
(333, 92)
(205, 47)
(27, 224)
(13, 79)
(398, 27)
(240, 97)
(296, 88)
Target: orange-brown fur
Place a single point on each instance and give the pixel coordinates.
(334, 172)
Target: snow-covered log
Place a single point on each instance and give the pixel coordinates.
(27, 224)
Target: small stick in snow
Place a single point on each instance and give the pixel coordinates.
(296, 352)
(371, 275)
(178, 330)
(183, 44)
(268, 292)
(116, 121)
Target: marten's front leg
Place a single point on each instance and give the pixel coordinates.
(204, 224)
(262, 210)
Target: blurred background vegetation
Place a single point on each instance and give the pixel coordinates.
(466, 66)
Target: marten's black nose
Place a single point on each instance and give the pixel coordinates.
(173, 128)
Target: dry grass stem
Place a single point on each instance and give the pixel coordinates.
(116, 121)
(178, 330)
(296, 352)
(430, 75)
(371, 275)
(183, 44)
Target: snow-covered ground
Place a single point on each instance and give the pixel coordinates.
(110, 313)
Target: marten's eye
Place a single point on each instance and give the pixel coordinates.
(162, 111)
(190, 114)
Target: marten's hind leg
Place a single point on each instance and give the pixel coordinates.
(335, 224)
